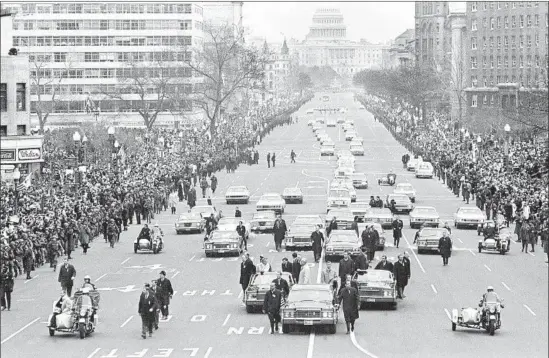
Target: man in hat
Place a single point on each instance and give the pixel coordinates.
(146, 308)
(164, 293)
(67, 274)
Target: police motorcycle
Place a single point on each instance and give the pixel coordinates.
(76, 315)
(149, 241)
(496, 238)
(487, 316)
(390, 179)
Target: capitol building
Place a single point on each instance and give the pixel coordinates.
(326, 44)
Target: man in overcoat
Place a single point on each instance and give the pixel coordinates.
(247, 269)
(397, 230)
(317, 238)
(67, 274)
(445, 247)
(346, 267)
(350, 300)
(164, 292)
(271, 306)
(146, 308)
(401, 276)
(296, 267)
(286, 265)
(279, 232)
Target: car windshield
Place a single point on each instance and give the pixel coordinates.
(423, 211)
(190, 216)
(379, 275)
(265, 278)
(328, 145)
(431, 231)
(203, 209)
(264, 215)
(343, 237)
(310, 295)
(398, 198)
(228, 221)
(307, 220)
(339, 213)
(223, 235)
(270, 197)
(469, 211)
(357, 146)
(303, 227)
(339, 193)
(425, 166)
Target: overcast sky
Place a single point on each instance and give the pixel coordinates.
(373, 21)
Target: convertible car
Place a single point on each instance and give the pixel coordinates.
(271, 201)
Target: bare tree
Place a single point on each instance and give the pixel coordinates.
(226, 67)
(530, 111)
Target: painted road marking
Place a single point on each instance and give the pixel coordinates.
(192, 258)
(530, 253)
(529, 309)
(208, 352)
(448, 314)
(94, 352)
(472, 252)
(19, 330)
(311, 344)
(126, 260)
(487, 268)
(460, 240)
(168, 319)
(434, 289)
(100, 277)
(175, 274)
(35, 276)
(355, 343)
(126, 322)
(226, 320)
(504, 285)
(413, 252)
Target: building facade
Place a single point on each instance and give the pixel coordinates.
(326, 44)
(80, 51)
(432, 33)
(507, 53)
(223, 13)
(19, 149)
(401, 52)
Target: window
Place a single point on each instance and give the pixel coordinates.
(485, 82)
(60, 56)
(499, 61)
(499, 21)
(506, 62)
(499, 5)
(474, 99)
(521, 61)
(537, 61)
(492, 23)
(484, 62)
(473, 43)
(485, 5)
(528, 41)
(514, 61)
(536, 37)
(21, 129)
(521, 41)
(492, 99)
(3, 131)
(513, 41)
(474, 81)
(21, 97)
(485, 100)
(3, 97)
(473, 6)
(499, 42)
(528, 21)
(498, 79)
(528, 61)
(473, 62)
(474, 25)
(506, 41)
(514, 5)
(491, 42)
(484, 22)
(491, 61)
(506, 22)
(536, 22)
(513, 22)
(484, 43)
(521, 21)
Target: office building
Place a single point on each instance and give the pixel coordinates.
(432, 33)
(401, 52)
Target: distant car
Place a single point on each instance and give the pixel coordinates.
(402, 203)
(359, 180)
(347, 184)
(344, 171)
(263, 221)
(223, 242)
(346, 162)
(361, 107)
(469, 216)
(331, 122)
(327, 149)
(237, 195)
(428, 239)
(317, 126)
(310, 122)
(206, 211)
(357, 149)
(426, 215)
(341, 241)
(359, 209)
(259, 285)
(326, 140)
(292, 195)
(406, 189)
(412, 164)
(299, 236)
(323, 137)
(344, 153)
(271, 201)
(382, 216)
(310, 111)
(376, 287)
(357, 139)
(344, 218)
(320, 120)
(190, 222)
(350, 134)
(424, 170)
(230, 224)
(380, 244)
(309, 305)
(338, 198)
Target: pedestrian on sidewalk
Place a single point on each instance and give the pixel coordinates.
(268, 160)
(273, 158)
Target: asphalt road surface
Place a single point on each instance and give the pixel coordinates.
(207, 318)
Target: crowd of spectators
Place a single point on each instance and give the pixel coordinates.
(503, 178)
(64, 207)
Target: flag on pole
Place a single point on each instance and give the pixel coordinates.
(26, 183)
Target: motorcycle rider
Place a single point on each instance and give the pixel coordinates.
(489, 296)
(145, 233)
(157, 231)
(87, 283)
(379, 202)
(391, 177)
(64, 304)
(490, 231)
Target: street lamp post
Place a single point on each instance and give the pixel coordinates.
(85, 145)
(507, 129)
(16, 177)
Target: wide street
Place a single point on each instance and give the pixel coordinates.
(207, 318)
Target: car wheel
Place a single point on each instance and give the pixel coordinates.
(479, 248)
(228, 202)
(285, 328)
(332, 329)
(52, 331)
(411, 226)
(453, 326)
(249, 309)
(135, 248)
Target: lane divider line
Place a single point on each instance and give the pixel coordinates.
(94, 352)
(504, 285)
(29, 280)
(192, 258)
(529, 309)
(310, 348)
(226, 320)
(448, 314)
(487, 268)
(100, 277)
(175, 274)
(19, 330)
(460, 240)
(126, 322)
(126, 260)
(174, 293)
(434, 289)
(531, 254)
(413, 252)
(208, 352)
(472, 252)
(355, 343)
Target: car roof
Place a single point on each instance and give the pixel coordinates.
(312, 287)
(264, 213)
(234, 187)
(271, 194)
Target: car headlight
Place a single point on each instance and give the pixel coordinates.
(208, 246)
(324, 314)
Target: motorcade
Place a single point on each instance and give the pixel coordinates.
(299, 233)
(331, 122)
(487, 317)
(382, 216)
(338, 198)
(428, 239)
(424, 215)
(412, 164)
(271, 201)
(402, 203)
(327, 149)
(468, 216)
(310, 305)
(360, 181)
(350, 134)
(344, 172)
(230, 223)
(389, 179)
(380, 244)
(237, 195)
(206, 211)
(358, 140)
(340, 242)
(359, 209)
(376, 287)
(320, 120)
(79, 315)
(357, 149)
(500, 242)
(153, 243)
(263, 221)
(259, 285)
(223, 242)
(347, 184)
(406, 189)
(292, 195)
(190, 222)
(424, 170)
(344, 218)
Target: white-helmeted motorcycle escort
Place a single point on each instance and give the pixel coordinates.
(78, 314)
(154, 243)
(487, 316)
